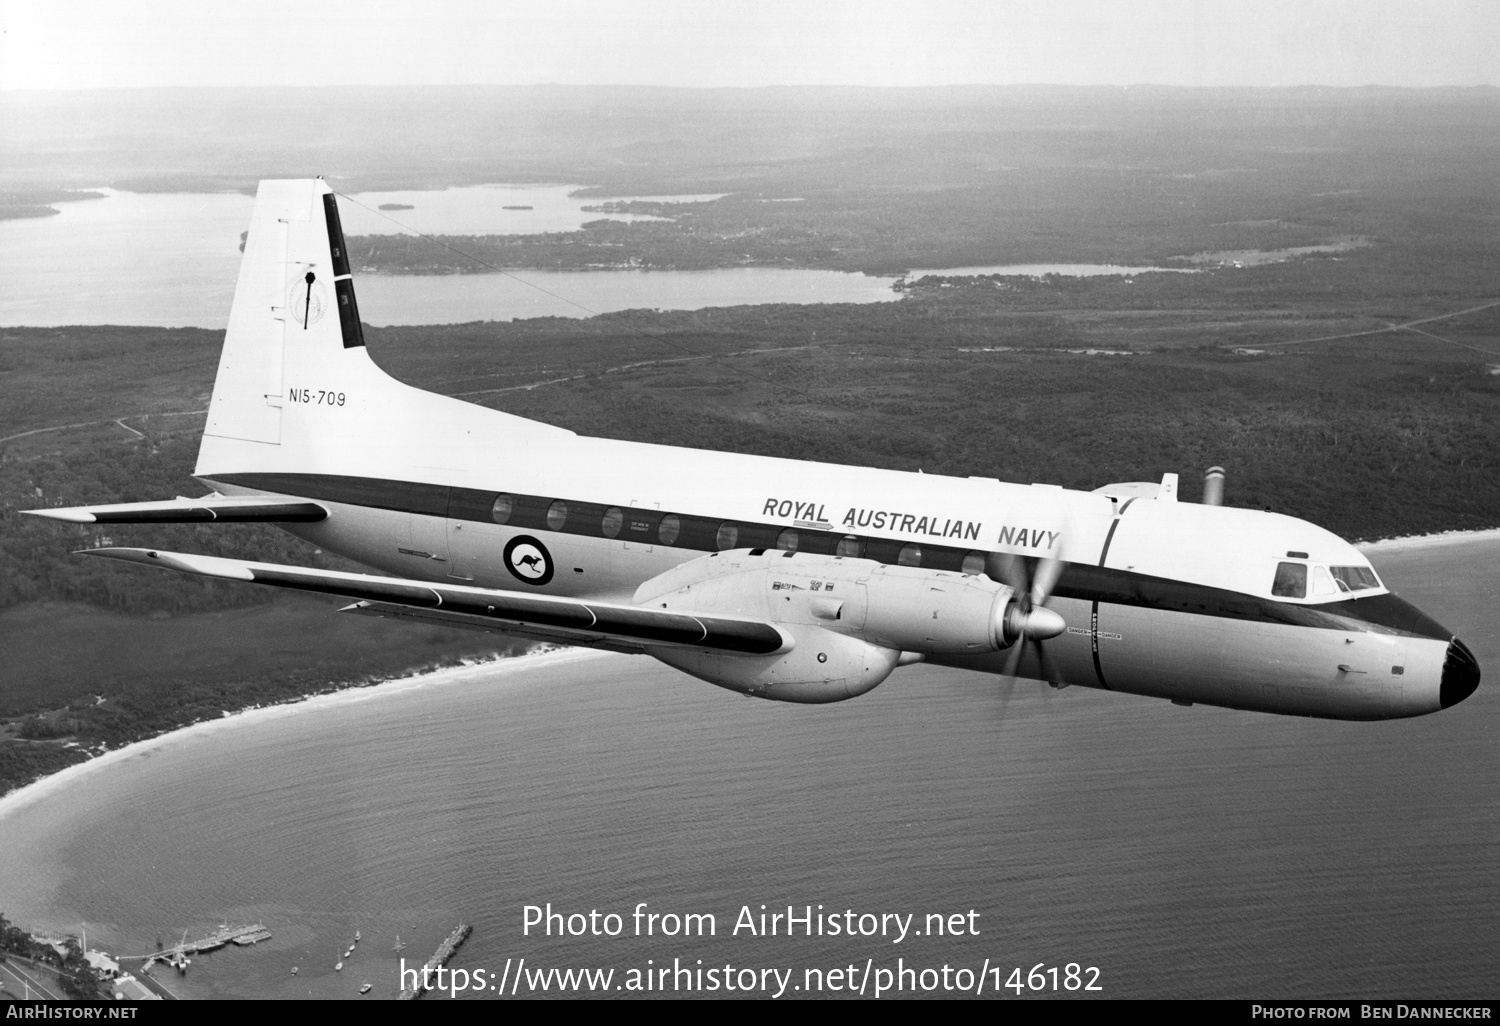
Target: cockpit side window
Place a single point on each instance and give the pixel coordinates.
(1322, 583)
(1291, 580)
(1354, 578)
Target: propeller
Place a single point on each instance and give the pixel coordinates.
(1027, 621)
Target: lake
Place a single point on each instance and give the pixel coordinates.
(172, 259)
(1183, 852)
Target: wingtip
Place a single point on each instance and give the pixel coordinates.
(184, 562)
(68, 515)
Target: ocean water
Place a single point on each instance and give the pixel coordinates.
(1181, 851)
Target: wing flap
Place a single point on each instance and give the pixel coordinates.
(213, 508)
(549, 617)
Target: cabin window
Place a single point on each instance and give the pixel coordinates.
(910, 555)
(557, 515)
(614, 519)
(728, 536)
(1322, 583)
(1291, 581)
(848, 546)
(973, 564)
(504, 504)
(669, 528)
(787, 540)
(1354, 578)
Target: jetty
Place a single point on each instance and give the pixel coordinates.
(177, 954)
(439, 958)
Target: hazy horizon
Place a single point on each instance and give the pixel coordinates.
(88, 44)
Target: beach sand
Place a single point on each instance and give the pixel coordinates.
(38, 790)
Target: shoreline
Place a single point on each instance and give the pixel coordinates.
(44, 787)
(1426, 541)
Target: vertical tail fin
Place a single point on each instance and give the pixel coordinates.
(294, 310)
(296, 390)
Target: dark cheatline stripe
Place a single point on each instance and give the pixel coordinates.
(1383, 613)
(399, 496)
(280, 513)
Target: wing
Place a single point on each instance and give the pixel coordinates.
(547, 617)
(222, 508)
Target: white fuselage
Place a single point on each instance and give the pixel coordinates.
(1161, 598)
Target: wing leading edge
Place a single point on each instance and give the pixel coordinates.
(576, 621)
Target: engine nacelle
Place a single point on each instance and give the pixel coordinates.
(822, 667)
(855, 620)
(934, 611)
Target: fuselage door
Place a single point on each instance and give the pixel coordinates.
(429, 534)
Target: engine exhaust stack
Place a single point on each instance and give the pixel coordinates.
(1213, 486)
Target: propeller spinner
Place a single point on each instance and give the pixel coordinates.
(1028, 621)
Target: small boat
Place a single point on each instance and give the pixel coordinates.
(356, 936)
(364, 988)
(349, 952)
(399, 946)
(338, 967)
(294, 970)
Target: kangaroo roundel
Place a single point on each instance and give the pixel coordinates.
(528, 560)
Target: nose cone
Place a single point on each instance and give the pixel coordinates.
(1460, 674)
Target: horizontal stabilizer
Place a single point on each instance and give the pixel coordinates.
(220, 508)
(570, 621)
